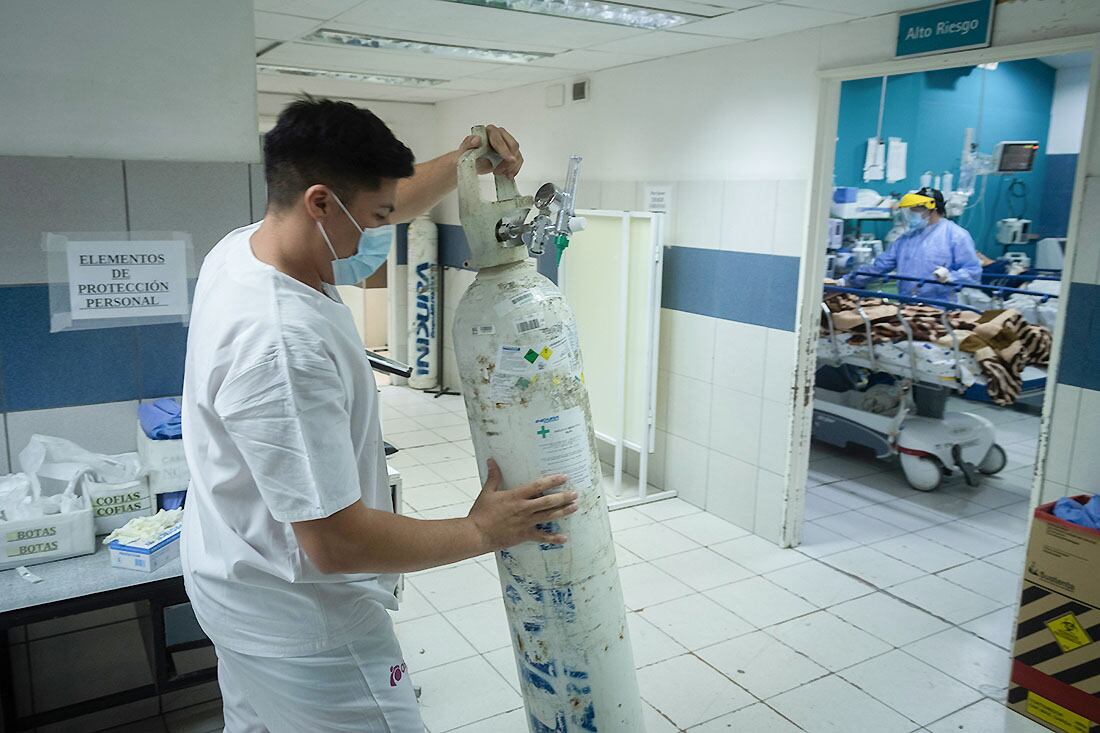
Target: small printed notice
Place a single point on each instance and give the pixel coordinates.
(512, 374)
(561, 442)
(658, 198)
(127, 279)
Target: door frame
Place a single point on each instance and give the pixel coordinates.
(809, 296)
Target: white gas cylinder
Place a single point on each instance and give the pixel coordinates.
(422, 303)
(523, 381)
(519, 359)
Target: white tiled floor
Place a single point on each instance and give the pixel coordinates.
(895, 614)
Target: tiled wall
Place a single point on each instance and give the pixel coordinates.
(86, 385)
(727, 352)
(1072, 462)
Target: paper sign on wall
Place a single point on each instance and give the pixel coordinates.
(658, 198)
(127, 279)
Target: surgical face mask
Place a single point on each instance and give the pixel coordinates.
(374, 247)
(916, 220)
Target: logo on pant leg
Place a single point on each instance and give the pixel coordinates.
(397, 673)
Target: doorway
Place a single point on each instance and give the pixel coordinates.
(880, 493)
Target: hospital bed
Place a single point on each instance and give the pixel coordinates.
(903, 413)
(959, 371)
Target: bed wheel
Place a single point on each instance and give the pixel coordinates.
(994, 461)
(923, 474)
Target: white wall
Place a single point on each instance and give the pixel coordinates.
(128, 79)
(413, 123)
(1067, 111)
(712, 120)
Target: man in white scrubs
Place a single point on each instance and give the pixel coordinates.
(291, 546)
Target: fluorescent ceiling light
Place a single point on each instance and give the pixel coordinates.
(992, 66)
(401, 81)
(474, 53)
(616, 13)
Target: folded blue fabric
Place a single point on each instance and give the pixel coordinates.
(171, 500)
(1085, 515)
(161, 419)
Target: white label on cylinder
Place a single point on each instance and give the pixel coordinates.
(525, 298)
(561, 442)
(511, 374)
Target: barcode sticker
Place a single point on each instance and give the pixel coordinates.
(484, 330)
(525, 298)
(529, 324)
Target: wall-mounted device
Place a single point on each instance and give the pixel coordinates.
(580, 90)
(1014, 231)
(1015, 156)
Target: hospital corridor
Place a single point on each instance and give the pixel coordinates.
(550, 366)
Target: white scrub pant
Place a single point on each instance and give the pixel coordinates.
(363, 687)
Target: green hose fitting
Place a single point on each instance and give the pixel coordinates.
(562, 241)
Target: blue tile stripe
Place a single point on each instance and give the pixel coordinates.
(734, 286)
(1053, 220)
(1079, 365)
(40, 370)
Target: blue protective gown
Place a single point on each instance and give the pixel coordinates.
(919, 253)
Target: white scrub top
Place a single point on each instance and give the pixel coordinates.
(280, 425)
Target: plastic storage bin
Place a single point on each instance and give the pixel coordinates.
(166, 463)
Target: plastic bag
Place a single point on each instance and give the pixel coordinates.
(14, 489)
(61, 460)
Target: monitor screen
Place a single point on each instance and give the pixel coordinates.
(1017, 157)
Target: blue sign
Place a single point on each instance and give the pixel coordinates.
(952, 27)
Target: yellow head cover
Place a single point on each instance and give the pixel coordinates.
(916, 200)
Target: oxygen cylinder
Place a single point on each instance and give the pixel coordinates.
(948, 183)
(423, 294)
(519, 359)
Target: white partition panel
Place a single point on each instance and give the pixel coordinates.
(611, 275)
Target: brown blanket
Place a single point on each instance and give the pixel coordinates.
(1001, 340)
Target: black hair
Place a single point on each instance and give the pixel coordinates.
(334, 143)
(936, 195)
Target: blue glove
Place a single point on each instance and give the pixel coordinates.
(1084, 515)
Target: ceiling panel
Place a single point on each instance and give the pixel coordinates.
(282, 27)
(319, 9)
(366, 60)
(767, 20)
(525, 74)
(699, 7)
(865, 8)
(588, 60)
(658, 43)
(738, 4)
(433, 94)
(432, 16)
(475, 84)
(262, 43)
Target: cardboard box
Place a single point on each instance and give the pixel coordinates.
(149, 555)
(113, 505)
(166, 463)
(1056, 656)
(53, 537)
